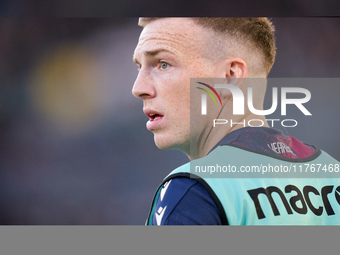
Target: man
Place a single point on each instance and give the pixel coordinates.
(170, 51)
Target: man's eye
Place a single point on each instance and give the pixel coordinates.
(164, 65)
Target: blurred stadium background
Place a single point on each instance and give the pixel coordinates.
(73, 144)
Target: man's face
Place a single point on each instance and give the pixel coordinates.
(170, 51)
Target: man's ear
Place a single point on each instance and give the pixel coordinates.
(235, 68)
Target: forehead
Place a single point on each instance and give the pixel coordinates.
(178, 35)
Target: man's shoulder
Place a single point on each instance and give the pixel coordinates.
(184, 201)
(181, 169)
(271, 142)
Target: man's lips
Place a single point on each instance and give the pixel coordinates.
(154, 118)
(152, 114)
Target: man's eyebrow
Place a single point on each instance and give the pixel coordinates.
(152, 53)
(155, 52)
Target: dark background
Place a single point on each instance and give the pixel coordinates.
(73, 144)
(130, 8)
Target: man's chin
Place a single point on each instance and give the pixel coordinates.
(165, 144)
(162, 144)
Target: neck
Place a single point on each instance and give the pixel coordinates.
(212, 135)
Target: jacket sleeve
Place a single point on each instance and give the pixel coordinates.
(184, 201)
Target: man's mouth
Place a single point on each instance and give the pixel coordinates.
(155, 116)
(155, 119)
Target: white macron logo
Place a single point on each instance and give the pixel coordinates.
(160, 212)
(164, 189)
(159, 215)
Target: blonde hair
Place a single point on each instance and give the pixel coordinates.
(255, 32)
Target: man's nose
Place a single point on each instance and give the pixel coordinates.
(143, 87)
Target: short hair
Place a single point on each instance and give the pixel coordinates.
(258, 32)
